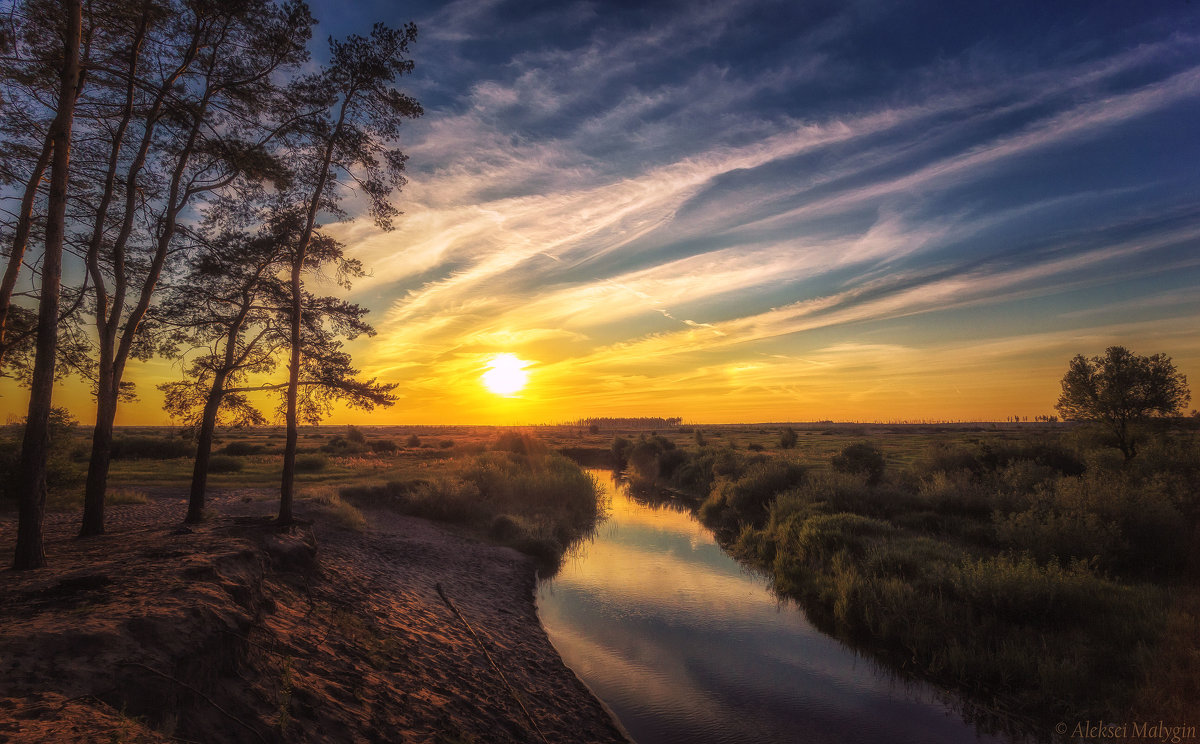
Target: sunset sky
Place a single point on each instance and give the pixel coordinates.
(776, 211)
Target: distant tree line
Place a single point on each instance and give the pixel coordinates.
(639, 422)
(184, 156)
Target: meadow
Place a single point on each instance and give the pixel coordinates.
(1026, 566)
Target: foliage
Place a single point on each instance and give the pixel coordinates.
(787, 438)
(862, 458)
(518, 443)
(383, 446)
(225, 464)
(340, 446)
(242, 449)
(517, 492)
(311, 463)
(149, 448)
(1120, 390)
(1021, 569)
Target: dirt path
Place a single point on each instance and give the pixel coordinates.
(237, 632)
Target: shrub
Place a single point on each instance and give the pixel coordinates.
(242, 448)
(412, 441)
(519, 443)
(341, 446)
(620, 449)
(860, 458)
(150, 448)
(751, 495)
(61, 471)
(383, 446)
(787, 438)
(504, 528)
(311, 463)
(813, 542)
(355, 435)
(224, 464)
(446, 443)
(341, 511)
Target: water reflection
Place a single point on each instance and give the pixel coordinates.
(684, 645)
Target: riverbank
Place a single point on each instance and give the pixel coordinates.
(235, 631)
(1039, 576)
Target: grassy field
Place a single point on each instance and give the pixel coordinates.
(1025, 565)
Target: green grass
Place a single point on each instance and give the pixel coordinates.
(1026, 570)
(1016, 563)
(517, 494)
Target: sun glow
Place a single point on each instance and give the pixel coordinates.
(506, 375)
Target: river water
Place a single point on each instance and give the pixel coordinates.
(684, 645)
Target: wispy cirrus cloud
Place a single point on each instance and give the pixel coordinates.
(632, 203)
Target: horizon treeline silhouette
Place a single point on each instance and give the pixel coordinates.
(183, 156)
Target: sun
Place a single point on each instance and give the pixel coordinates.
(506, 374)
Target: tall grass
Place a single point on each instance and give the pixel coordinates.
(1029, 572)
(518, 493)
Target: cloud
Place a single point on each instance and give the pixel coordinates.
(635, 224)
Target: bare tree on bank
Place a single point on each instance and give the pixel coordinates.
(205, 124)
(30, 552)
(349, 143)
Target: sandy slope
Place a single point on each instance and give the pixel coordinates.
(236, 632)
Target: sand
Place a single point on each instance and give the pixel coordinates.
(236, 631)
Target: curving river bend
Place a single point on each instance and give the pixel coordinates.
(685, 646)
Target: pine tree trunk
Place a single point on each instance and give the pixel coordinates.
(31, 485)
(204, 441)
(288, 482)
(97, 477)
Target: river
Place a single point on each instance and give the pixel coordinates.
(684, 645)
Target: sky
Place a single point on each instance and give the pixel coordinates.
(758, 211)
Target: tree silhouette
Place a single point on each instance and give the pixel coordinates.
(1121, 390)
(348, 141)
(204, 112)
(30, 552)
(234, 309)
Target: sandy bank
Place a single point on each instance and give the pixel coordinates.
(236, 632)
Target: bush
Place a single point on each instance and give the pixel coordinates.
(242, 448)
(413, 441)
(620, 450)
(341, 511)
(150, 448)
(518, 443)
(751, 495)
(224, 464)
(504, 528)
(355, 435)
(383, 446)
(311, 463)
(342, 446)
(861, 458)
(787, 438)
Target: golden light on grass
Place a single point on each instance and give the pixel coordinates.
(506, 375)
